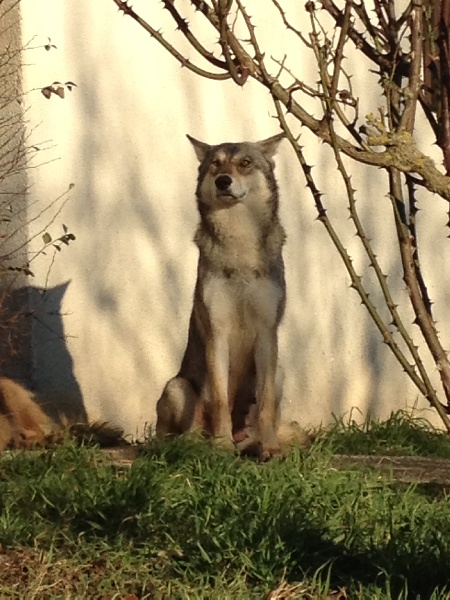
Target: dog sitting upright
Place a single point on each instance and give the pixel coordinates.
(231, 357)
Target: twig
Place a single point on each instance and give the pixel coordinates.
(408, 117)
(184, 62)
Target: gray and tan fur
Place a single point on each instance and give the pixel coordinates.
(231, 357)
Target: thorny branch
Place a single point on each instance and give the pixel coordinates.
(400, 151)
(411, 55)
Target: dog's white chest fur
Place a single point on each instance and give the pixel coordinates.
(234, 304)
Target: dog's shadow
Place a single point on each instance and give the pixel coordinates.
(35, 352)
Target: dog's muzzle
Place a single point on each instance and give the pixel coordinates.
(227, 190)
(223, 182)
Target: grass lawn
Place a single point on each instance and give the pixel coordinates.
(191, 521)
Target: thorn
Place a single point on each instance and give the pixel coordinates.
(183, 26)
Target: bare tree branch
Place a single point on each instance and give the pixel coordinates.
(184, 62)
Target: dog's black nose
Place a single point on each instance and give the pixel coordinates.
(223, 182)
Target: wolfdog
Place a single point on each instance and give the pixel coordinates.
(231, 357)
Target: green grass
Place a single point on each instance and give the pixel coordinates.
(192, 521)
(402, 434)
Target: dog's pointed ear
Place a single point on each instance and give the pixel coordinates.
(201, 149)
(269, 146)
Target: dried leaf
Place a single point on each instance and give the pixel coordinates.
(49, 45)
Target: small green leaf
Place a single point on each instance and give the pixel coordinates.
(47, 238)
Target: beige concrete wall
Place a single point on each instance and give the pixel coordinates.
(120, 138)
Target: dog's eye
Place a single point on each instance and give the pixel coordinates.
(246, 162)
(216, 163)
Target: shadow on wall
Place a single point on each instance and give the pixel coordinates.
(33, 349)
(53, 378)
(15, 333)
(127, 252)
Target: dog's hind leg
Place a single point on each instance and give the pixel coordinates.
(179, 409)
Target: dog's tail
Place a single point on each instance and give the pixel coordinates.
(99, 433)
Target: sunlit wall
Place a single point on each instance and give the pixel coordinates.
(116, 321)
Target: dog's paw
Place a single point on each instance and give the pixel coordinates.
(267, 452)
(269, 446)
(223, 442)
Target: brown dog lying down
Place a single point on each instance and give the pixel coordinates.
(23, 423)
(183, 412)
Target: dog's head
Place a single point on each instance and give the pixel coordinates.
(230, 173)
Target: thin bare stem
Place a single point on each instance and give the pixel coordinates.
(184, 62)
(408, 118)
(183, 26)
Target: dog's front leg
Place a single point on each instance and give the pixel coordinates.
(266, 355)
(217, 363)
